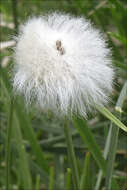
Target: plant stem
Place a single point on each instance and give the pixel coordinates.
(15, 14)
(8, 146)
(114, 138)
(111, 157)
(68, 179)
(90, 142)
(51, 178)
(24, 170)
(71, 155)
(105, 154)
(37, 187)
(85, 178)
(9, 129)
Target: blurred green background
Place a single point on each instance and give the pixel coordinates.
(38, 155)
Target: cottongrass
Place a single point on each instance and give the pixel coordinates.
(62, 64)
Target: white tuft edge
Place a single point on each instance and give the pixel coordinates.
(62, 64)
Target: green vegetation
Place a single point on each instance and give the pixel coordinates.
(33, 148)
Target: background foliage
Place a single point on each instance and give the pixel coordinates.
(33, 152)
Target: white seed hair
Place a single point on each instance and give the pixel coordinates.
(62, 64)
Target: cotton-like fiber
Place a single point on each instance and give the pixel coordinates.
(62, 64)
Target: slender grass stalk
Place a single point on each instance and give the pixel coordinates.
(68, 179)
(9, 129)
(111, 156)
(15, 14)
(119, 105)
(51, 178)
(106, 150)
(37, 186)
(30, 135)
(23, 165)
(111, 117)
(114, 140)
(121, 99)
(90, 142)
(23, 118)
(8, 146)
(71, 155)
(85, 178)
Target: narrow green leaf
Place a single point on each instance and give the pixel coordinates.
(106, 150)
(51, 178)
(114, 140)
(31, 137)
(71, 155)
(111, 156)
(44, 176)
(23, 118)
(122, 97)
(89, 141)
(115, 7)
(8, 147)
(118, 37)
(112, 118)
(23, 161)
(88, 138)
(37, 186)
(85, 178)
(111, 137)
(68, 179)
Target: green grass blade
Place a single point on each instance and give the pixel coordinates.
(37, 186)
(122, 97)
(23, 161)
(44, 176)
(117, 7)
(51, 178)
(31, 137)
(24, 122)
(68, 179)
(119, 105)
(88, 138)
(118, 37)
(111, 156)
(106, 150)
(89, 141)
(114, 140)
(111, 117)
(8, 148)
(71, 155)
(85, 178)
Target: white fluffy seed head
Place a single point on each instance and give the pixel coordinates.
(62, 64)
